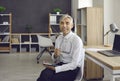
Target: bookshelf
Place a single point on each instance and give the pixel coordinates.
(90, 25)
(5, 31)
(25, 42)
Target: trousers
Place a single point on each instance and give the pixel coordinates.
(50, 75)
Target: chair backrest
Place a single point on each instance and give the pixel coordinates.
(81, 71)
(44, 41)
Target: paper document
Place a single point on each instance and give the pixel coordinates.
(94, 49)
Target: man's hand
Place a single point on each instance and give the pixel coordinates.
(56, 53)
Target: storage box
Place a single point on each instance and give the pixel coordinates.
(33, 49)
(14, 50)
(23, 50)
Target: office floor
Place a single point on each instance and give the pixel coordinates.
(20, 67)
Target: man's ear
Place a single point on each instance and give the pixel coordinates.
(72, 26)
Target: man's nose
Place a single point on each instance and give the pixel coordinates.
(64, 25)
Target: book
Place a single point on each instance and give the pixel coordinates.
(47, 63)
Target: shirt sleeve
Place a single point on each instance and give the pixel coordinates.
(76, 57)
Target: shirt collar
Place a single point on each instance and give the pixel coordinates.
(68, 35)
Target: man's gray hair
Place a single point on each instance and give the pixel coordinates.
(66, 16)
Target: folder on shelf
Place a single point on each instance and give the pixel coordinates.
(15, 40)
(6, 39)
(52, 19)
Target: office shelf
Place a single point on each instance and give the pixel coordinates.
(25, 42)
(90, 25)
(5, 31)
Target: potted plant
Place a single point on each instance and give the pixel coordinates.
(2, 9)
(57, 10)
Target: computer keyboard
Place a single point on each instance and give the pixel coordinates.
(113, 52)
(109, 53)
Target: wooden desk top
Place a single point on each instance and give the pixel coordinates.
(111, 62)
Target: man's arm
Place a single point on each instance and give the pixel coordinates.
(56, 53)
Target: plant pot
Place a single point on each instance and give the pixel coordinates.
(58, 13)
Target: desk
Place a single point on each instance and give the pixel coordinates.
(112, 64)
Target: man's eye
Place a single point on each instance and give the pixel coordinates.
(61, 23)
(67, 23)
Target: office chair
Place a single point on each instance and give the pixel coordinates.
(81, 71)
(44, 43)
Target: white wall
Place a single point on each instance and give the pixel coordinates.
(74, 10)
(116, 16)
(74, 7)
(117, 11)
(108, 18)
(85, 3)
(98, 3)
(111, 15)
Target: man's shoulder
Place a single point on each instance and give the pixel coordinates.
(75, 36)
(60, 36)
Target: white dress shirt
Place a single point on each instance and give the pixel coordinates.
(71, 48)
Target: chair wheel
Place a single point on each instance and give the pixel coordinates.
(37, 62)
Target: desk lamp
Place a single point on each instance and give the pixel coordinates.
(113, 29)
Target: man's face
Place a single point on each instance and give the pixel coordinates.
(65, 26)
